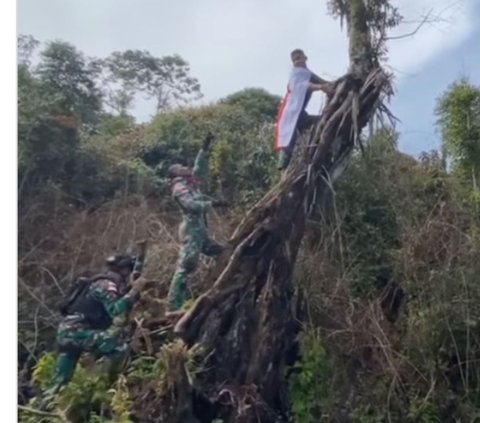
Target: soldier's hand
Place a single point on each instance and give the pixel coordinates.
(220, 203)
(208, 141)
(138, 284)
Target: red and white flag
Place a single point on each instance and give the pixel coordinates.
(292, 106)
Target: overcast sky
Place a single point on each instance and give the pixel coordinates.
(232, 45)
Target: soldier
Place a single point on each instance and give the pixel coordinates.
(94, 315)
(193, 229)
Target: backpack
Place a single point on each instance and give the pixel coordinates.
(77, 300)
(79, 287)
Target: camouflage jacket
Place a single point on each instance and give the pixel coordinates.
(186, 192)
(108, 294)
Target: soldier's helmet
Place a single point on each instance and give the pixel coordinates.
(121, 261)
(175, 170)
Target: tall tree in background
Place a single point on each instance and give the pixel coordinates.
(26, 45)
(458, 112)
(166, 79)
(54, 99)
(68, 77)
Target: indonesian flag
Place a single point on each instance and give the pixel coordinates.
(292, 106)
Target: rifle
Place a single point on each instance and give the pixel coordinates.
(140, 262)
(139, 259)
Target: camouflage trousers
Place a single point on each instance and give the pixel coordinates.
(74, 337)
(194, 243)
(74, 334)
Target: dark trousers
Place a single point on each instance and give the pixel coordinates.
(305, 122)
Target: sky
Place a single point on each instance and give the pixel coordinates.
(234, 45)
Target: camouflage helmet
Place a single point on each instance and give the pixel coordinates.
(174, 170)
(120, 261)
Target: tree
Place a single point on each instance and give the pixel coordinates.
(245, 323)
(26, 45)
(47, 138)
(69, 78)
(458, 111)
(257, 102)
(56, 99)
(165, 79)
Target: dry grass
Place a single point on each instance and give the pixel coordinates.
(58, 242)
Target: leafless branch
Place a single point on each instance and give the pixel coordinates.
(54, 279)
(34, 296)
(36, 332)
(410, 34)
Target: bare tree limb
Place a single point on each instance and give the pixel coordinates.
(410, 34)
(34, 296)
(54, 279)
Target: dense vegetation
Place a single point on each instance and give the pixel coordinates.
(388, 270)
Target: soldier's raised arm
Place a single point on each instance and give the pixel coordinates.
(200, 168)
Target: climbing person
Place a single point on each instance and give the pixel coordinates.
(194, 238)
(94, 314)
(292, 117)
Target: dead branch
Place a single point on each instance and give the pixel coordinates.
(412, 33)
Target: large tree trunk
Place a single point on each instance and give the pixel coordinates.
(245, 323)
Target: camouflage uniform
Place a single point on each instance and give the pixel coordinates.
(76, 335)
(193, 230)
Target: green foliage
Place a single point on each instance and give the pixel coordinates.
(423, 411)
(47, 141)
(44, 374)
(310, 381)
(69, 78)
(84, 395)
(61, 104)
(26, 45)
(367, 414)
(121, 401)
(116, 125)
(257, 102)
(101, 173)
(48, 150)
(87, 398)
(145, 368)
(369, 229)
(458, 111)
(242, 160)
(56, 100)
(60, 99)
(397, 220)
(160, 371)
